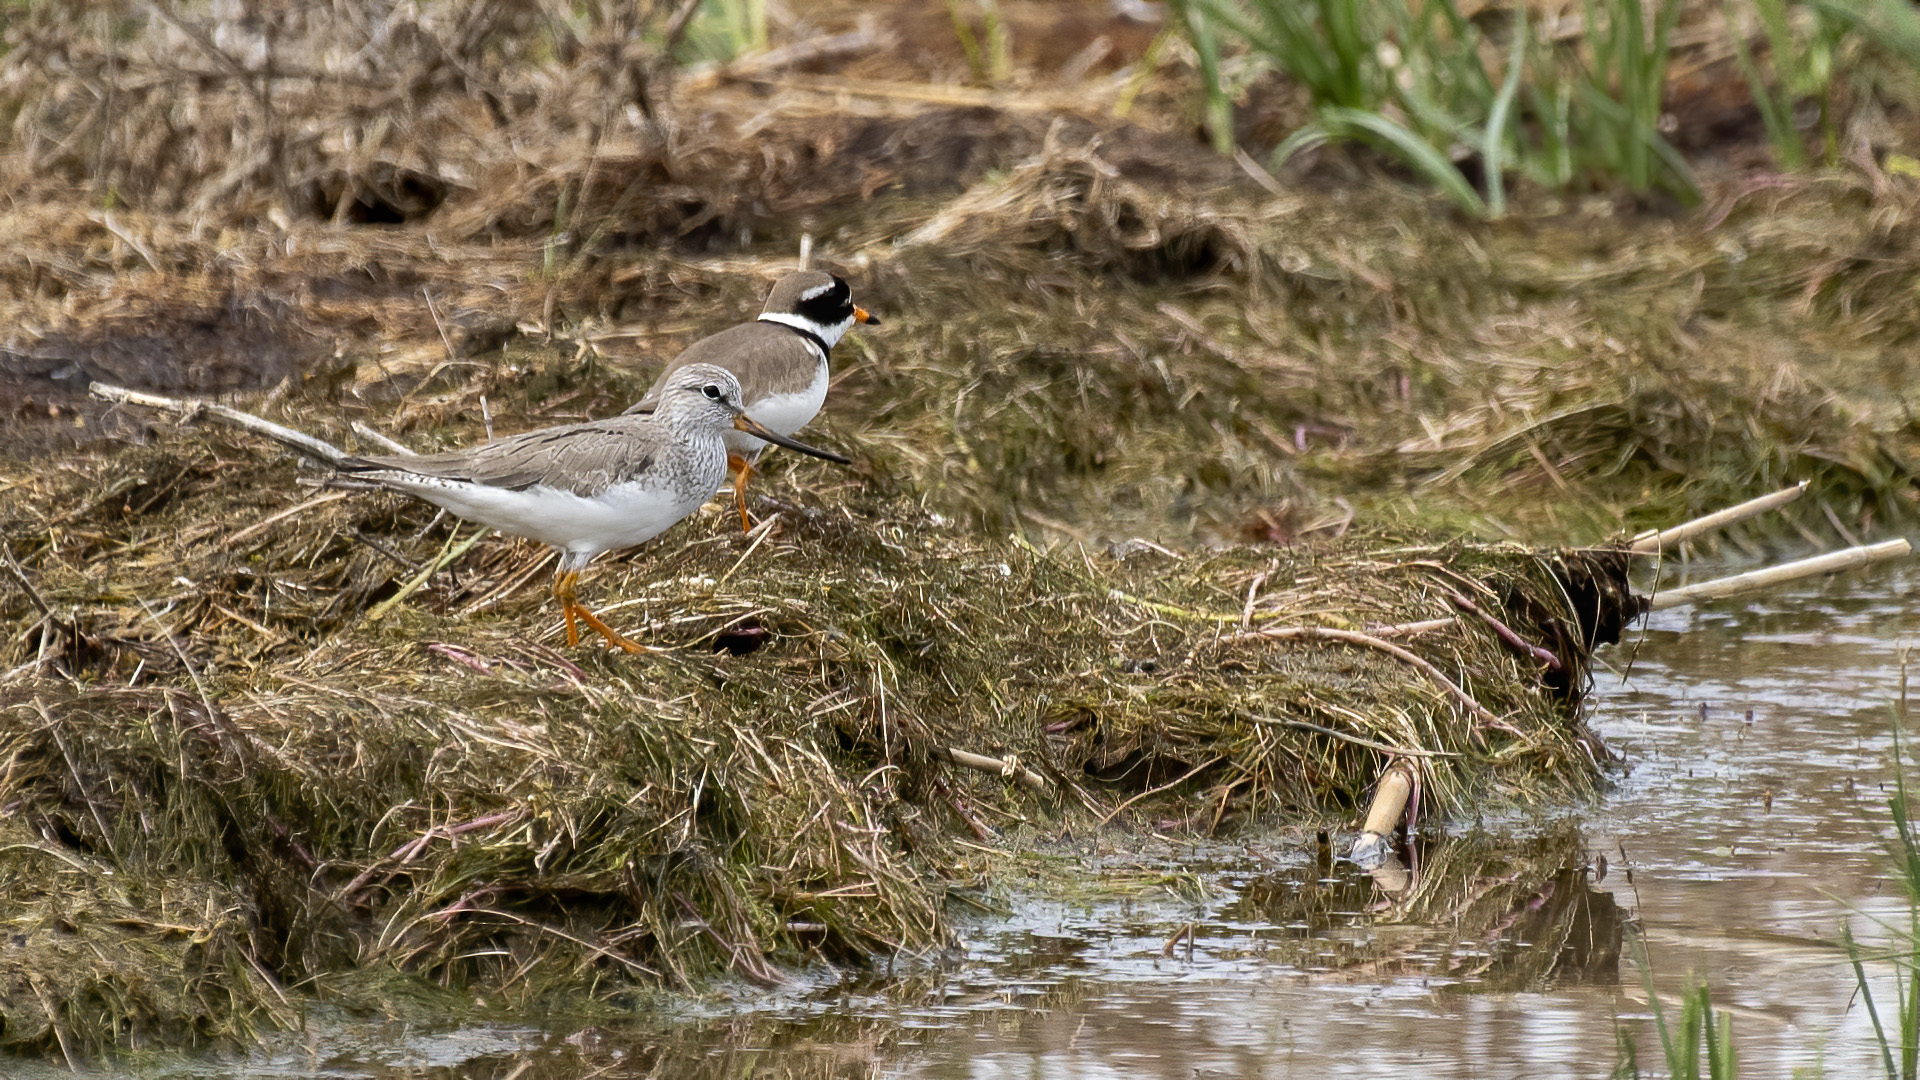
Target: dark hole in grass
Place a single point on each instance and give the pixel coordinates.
(387, 197)
(1139, 770)
(741, 639)
(74, 650)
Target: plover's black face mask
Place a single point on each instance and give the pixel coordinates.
(827, 305)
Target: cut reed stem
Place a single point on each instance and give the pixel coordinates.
(1753, 580)
(1653, 542)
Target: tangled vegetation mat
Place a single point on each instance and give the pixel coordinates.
(231, 784)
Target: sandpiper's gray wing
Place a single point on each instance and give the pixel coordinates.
(582, 458)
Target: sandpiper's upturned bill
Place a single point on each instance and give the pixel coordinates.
(781, 362)
(592, 487)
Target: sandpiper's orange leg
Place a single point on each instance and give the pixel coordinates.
(563, 592)
(574, 609)
(613, 636)
(743, 469)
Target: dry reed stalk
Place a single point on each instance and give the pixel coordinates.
(190, 409)
(1009, 768)
(1655, 541)
(1832, 562)
(1389, 801)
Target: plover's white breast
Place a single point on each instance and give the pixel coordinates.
(784, 413)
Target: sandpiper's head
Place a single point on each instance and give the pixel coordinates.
(817, 302)
(707, 393)
(708, 396)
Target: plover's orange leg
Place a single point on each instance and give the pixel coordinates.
(574, 609)
(743, 469)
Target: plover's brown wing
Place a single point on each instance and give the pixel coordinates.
(769, 359)
(717, 349)
(585, 459)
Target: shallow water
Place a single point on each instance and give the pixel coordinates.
(1753, 822)
(1751, 825)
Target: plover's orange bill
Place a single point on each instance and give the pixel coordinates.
(592, 487)
(781, 361)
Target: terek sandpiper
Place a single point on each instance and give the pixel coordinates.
(779, 358)
(592, 487)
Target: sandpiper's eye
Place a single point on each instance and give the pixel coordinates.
(712, 390)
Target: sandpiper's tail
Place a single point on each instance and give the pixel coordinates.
(344, 476)
(354, 464)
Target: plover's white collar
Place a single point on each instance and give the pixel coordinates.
(827, 336)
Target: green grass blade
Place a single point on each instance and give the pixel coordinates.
(1893, 25)
(1718, 1032)
(1551, 107)
(1149, 63)
(1709, 1034)
(1667, 1046)
(1679, 174)
(1206, 45)
(1866, 996)
(999, 47)
(1775, 113)
(1422, 157)
(1493, 146)
(1906, 852)
(1429, 118)
(1634, 57)
(1685, 1064)
(1351, 46)
(1626, 1064)
(1906, 855)
(1625, 137)
(1910, 1016)
(1306, 138)
(969, 44)
(1289, 39)
(1781, 48)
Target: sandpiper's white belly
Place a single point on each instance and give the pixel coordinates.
(584, 526)
(784, 413)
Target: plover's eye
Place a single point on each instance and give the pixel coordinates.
(712, 390)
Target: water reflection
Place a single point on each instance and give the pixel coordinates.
(1481, 913)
